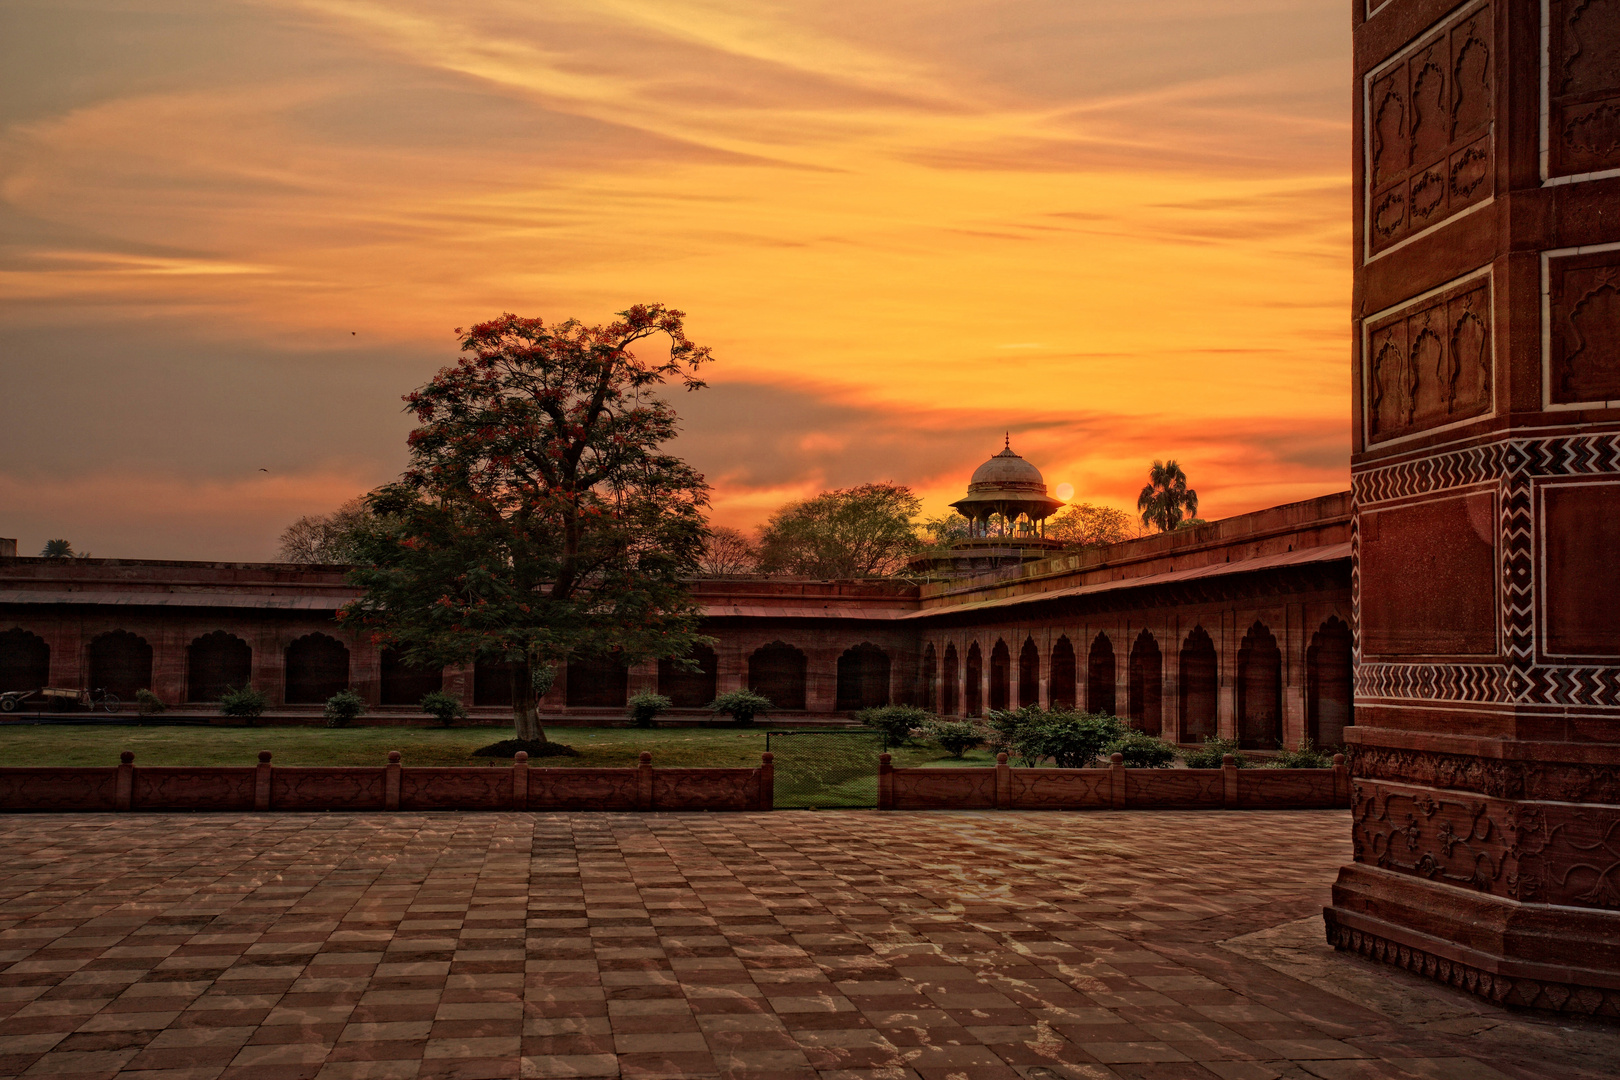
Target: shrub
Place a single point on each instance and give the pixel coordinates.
(1073, 740)
(956, 737)
(1142, 751)
(896, 722)
(1305, 756)
(246, 703)
(542, 677)
(1208, 756)
(645, 707)
(741, 705)
(1004, 727)
(446, 708)
(342, 707)
(148, 703)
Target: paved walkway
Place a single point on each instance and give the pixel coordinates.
(803, 945)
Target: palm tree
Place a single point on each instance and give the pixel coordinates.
(1166, 498)
(57, 549)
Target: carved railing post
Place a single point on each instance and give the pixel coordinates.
(1229, 782)
(124, 795)
(261, 782)
(1004, 798)
(644, 782)
(885, 782)
(767, 781)
(1116, 781)
(520, 780)
(391, 782)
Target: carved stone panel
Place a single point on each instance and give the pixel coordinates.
(1429, 124)
(1428, 578)
(1580, 526)
(1583, 87)
(1583, 304)
(1430, 363)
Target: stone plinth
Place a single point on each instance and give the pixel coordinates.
(1486, 477)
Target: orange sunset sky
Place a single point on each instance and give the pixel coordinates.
(233, 234)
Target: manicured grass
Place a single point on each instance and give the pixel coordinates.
(29, 744)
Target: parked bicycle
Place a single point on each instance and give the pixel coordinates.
(59, 697)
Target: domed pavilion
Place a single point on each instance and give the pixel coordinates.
(1006, 507)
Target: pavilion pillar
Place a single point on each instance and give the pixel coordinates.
(1485, 754)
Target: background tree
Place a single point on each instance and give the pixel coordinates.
(1166, 498)
(863, 531)
(331, 539)
(539, 518)
(728, 552)
(1085, 525)
(61, 549)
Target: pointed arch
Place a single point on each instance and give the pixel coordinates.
(1029, 674)
(317, 668)
(1101, 677)
(863, 678)
(1000, 676)
(1060, 692)
(972, 700)
(950, 684)
(121, 662)
(690, 689)
(930, 672)
(492, 682)
(25, 661)
(215, 663)
(597, 682)
(1259, 690)
(1146, 684)
(1329, 684)
(407, 684)
(778, 671)
(1198, 688)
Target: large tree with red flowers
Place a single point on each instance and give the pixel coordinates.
(540, 518)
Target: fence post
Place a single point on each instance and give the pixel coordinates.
(520, 780)
(1341, 781)
(644, 784)
(767, 781)
(124, 796)
(1003, 782)
(1116, 781)
(885, 782)
(261, 782)
(1229, 782)
(391, 782)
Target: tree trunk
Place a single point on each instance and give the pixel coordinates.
(525, 706)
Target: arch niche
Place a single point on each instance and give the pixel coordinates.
(317, 668)
(407, 684)
(1198, 687)
(1029, 674)
(863, 678)
(1259, 690)
(690, 689)
(778, 671)
(597, 682)
(1000, 676)
(492, 683)
(972, 701)
(1061, 691)
(930, 672)
(216, 663)
(1146, 684)
(949, 684)
(1101, 679)
(25, 661)
(121, 662)
(1329, 689)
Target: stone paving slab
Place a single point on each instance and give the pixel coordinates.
(790, 945)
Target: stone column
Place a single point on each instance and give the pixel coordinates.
(1486, 473)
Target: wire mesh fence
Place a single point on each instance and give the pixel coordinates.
(825, 769)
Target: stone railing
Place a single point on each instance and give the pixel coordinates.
(126, 787)
(1113, 788)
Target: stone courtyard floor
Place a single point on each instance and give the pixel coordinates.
(833, 945)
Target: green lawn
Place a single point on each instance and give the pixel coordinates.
(30, 744)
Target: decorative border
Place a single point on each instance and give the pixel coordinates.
(1524, 993)
(1544, 119)
(1514, 466)
(1410, 302)
(1546, 321)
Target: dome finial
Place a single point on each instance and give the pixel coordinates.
(1006, 441)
